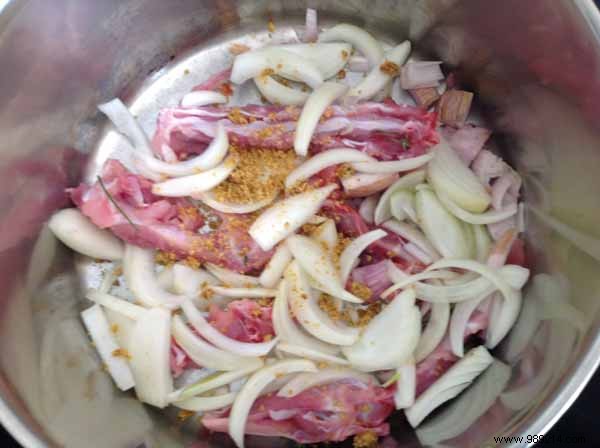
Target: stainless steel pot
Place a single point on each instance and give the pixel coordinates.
(535, 68)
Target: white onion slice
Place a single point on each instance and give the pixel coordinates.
(483, 243)
(210, 158)
(358, 64)
(316, 262)
(362, 184)
(307, 312)
(312, 111)
(449, 385)
(377, 79)
(309, 353)
(367, 208)
(304, 381)
(402, 205)
(395, 166)
(400, 322)
(126, 124)
(311, 30)
(329, 58)
(211, 334)
(120, 306)
(489, 217)
(419, 74)
(227, 207)
(97, 326)
(195, 183)
(198, 98)
(350, 255)
(503, 316)
(203, 404)
(326, 235)
(413, 234)
(287, 330)
(253, 387)
(275, 268)
(76, 231)
(275, 60)
(204, 354)
(121, 326)
(189, 281)
(286, 216)
(324, 160)
(406, 385)
(458, 323)
(410, 180)
(138, 269)
(149, 348)
(252, 293)
(232, 278)
(434, 331)
(359, 38)
(277, 93)
(408, 280)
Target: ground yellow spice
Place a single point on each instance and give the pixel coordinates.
(192, 262)
(367, 439)
(360, 290)
(365, 315)
(389, 68)
(342, 243)
(122, 353)
(329, 306)
(344, 170)
(299, 187)
(183, 415)
(165, 258)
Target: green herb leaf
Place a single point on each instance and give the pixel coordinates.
(111, 199)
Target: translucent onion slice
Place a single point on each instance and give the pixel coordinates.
(359, 38)
(350, 255)
(307, 312)
(394, 166)
(121, 326)
(251, 293)
(211, 334)
(232, 278)
(400, 322)
(410, 180)
(204, 354)
(329, 58)
(440, 274)
(195, 183)
(361, 185)
(358, 64)
(203, 404)
(406, 385)
(367, 208)
(313, 109)
(458, 323)
(105, 343)
(214, 381)
(326, 235)
(210, 158)
(273, 271)
(199, 98)
(311, 30)
(304, 381)
(324, 160)
(317, 263)
(449, 175)
(287, 330)
(227, 207)
(277, 93)
(150, 347)
(309, 353)
(126, 124)
(165, 278)
(253, 387)
(413, 234)
(434, 331)
(402, 205)
(483, 243)
(77, 232)
(120, 306)
(275, 60)
(138, 268)
(286, 216)
(503, 315)
(189, 281)
(377, 79)
(489, 217)
(420, 74)
(449, 385)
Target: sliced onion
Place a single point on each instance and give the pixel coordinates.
(311, 30)
(406, 385)
(312, 111)
(324, 160)
(227, 207)
(316, 262)
(150, 357)
(195, 183)
(77, 232)
(326, 235)
(232, 278)
(286, 216)
(287, 330)
(253, 387)
(408, 280)
(307, 312)
(190, 281)
(377, 79)
(489, 217)
(329, 58)
(402, 205)
(120, 306)
(211, 334)
(204, 354)
(503, 316)
(555, 303)
(121, 326)
(350, 255)
(420, 74)
(449, 385)
(105, 343)
(434, 331)
(138, 268)
(458, 324)
(203, 404)
(214, 381)
(367, 208)
(400, 322)
(410, 180)
(253, 293)
(277, 93)
(483, 243)
(413, 234)
(359, 38)
(309, 353)
(304, 381)
(442, 229)
(275, 268)
(450, 176)
(210, 158)
(199, 98)
(395, 166)
(275, 60)
(165, 278)
(126, 124)
(361, 184)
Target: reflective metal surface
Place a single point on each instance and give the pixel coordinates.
(534, 67)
